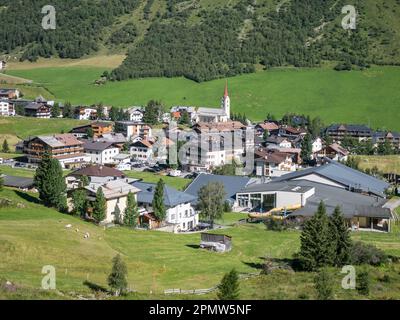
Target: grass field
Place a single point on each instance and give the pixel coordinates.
(23, 127)
(370, 97)
(175, 182)
(32, 236)
(385, 164)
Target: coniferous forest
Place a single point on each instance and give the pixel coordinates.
(202, 42)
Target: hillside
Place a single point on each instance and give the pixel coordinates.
(371, 96)
(203, 39)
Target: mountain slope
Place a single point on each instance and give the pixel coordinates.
(205, 39)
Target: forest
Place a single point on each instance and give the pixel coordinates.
(170, 38)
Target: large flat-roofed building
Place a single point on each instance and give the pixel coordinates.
(64, 147)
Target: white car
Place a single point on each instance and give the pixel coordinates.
(175, 173)
(1, 161)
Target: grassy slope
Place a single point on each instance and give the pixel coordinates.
(385, 164)
(35, 236)
(370, 97)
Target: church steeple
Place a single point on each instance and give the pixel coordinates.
(226, 101)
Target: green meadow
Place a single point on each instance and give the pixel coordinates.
(32, 236)
(370, 97)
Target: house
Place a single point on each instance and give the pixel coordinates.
(142, 150)
(64, 147)
(299, 200)
(9, 93)
(291, 132)
(6, 108)
(117, 139)
(232, 185)
(180, 214)
(272, 163)
(334, 152)
(100, 152)
(341, 176)
(280, 142)
(38, 110)
(339, 131)
(271, 127)
(116, 195)
(317, 145)
(215, 115)
(133, 129)
(85, 113)
(176, 112)
(393, 138)
(97, 173)
(123, 161)
(136, 114)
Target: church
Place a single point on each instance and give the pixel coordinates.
(222, 114)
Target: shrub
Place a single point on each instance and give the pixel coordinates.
(363, 283)
(275, 225)
(324, 285)
(362, 253)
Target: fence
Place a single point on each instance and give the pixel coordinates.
(243, 276)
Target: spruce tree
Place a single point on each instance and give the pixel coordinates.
(306, 148)
(50, 182)
(316, 248)
(117, 278)
(55, 111)
(158, 201)
(323, 283)
(131, 211)
(228, 289)
(5, 147)
(340, 238)
(79, 201)
(84, 181)
(99, 206)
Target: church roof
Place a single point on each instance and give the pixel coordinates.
(226, 90)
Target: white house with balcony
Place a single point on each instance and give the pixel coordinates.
(180, 213)
(101, 152)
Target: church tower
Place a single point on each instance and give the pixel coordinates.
(226, 102)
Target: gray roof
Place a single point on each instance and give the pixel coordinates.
(276, 186)
(344, 175)
(97, 145)
(352, 204)
(232, 184)
(211, 111)
(350, 127)
(18, 182)
(172, 197)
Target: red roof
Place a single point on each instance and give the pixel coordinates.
(226, 89)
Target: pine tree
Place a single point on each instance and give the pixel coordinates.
(5, 147)
(50, 182)
(363, 283)
(84, 181)
(316, 248)
(117, 278)
(324, 285)
(158, 201)
(228, 289)
(340, 238)
(55, 110)
(306, 148)
(79, 201)
(131, 211)
(99, 206)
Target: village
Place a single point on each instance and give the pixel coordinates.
(273, 169)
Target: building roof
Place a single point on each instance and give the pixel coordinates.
(219, 126)
(202, 111)
(172, 197)
(349, 127)
(101, 124)
(98, 171)
(277, 186)
(271, 156)
(97, 145)
(60, 140)
(113, 189)
(339, 149)
(351, 204)
(18, 182)
(276, 139)
(232, 184)
(35, 105)
(270, 126)
(344, 175)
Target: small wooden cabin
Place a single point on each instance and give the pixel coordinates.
(216, 242)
